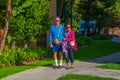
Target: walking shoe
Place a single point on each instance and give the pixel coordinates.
(68, 66)
(72, 66)
(55, 67)
(60, 66)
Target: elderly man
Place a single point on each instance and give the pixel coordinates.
(55, 40)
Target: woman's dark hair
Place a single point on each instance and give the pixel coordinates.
(67, 24)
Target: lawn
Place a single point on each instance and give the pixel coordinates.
(82, 77)
(110, 66)
(95, 49)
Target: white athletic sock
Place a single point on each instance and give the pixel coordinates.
(60, 62)
(56, 64)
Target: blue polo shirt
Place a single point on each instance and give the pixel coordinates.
(54, 30)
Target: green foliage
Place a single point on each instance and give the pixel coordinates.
(115, 9)
(18, 56)
(4, 2)
(99, 10)
(7, 59)
(88, 9)
(2, 18)
(9, 39)
(75, 15)
(92, 9)
(30, 19)
(102, 37)
(83, 40)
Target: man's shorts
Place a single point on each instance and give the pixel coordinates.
(57, 48)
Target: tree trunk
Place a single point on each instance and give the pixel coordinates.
(85, 32)
(6, 25)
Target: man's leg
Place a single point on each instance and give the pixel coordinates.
(55, 58)
(61, 58)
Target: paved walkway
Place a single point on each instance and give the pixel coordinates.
(82, 67)
(116, 39)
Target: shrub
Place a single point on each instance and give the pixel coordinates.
(102, 37)
(83, 40)
(29, 19)
(17, 56)
(7, 59)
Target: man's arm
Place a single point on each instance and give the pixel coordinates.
(50, 38)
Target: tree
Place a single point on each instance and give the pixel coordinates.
(6, 24)
(70, 13)
(29, 20)
(32, 20)
(114, 10)
(96, 9)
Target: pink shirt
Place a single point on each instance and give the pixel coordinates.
(72, 38)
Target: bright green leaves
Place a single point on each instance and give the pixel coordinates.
(115, 9)
(30, 19)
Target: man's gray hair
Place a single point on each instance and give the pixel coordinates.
(57, 17)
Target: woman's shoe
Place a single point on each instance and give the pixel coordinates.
(72, 66)
(67, 66)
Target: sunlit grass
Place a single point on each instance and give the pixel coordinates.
(110, 66)
(82, 77)
(97, 49)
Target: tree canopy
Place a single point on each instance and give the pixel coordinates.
(29, 19)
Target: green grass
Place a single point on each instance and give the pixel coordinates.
(82, 77)
(97, 49)
(115, 66)
(94, 50)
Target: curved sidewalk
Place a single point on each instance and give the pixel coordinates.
(116, 39)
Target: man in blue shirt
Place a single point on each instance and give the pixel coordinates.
(55, 40)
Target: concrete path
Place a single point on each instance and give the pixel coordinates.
(116, 39)
(108, 59)
(48, 73)
(82, 67)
